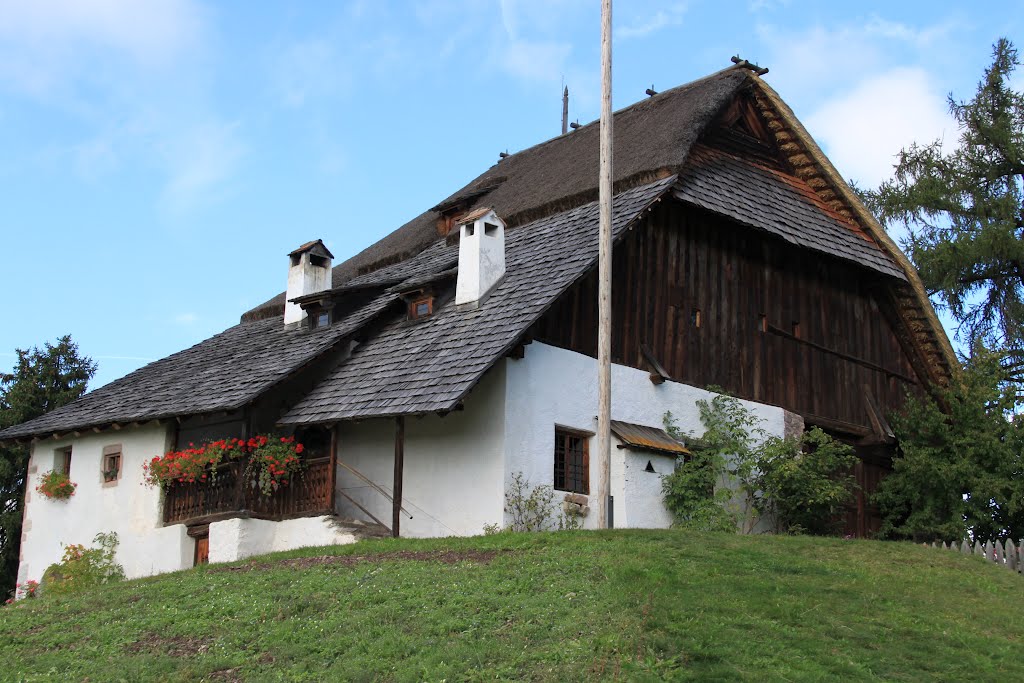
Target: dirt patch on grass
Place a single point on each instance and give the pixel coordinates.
(178, 646)
(230, 675)
(443, 556)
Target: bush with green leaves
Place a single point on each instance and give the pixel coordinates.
(805, 484)
(82, 568)
(960, 468)
(533, 508)
(739, 474)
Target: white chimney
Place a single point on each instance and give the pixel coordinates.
(309, 271)
(481, 256)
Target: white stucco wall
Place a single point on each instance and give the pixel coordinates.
(127, 507)
(454, 477)
(553, 386)
(235, 539)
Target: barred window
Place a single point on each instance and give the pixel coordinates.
(572, 461)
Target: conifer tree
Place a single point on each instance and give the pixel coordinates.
(964, 213)
(42, 380)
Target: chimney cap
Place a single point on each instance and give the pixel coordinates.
(316, 248)
(477, 214)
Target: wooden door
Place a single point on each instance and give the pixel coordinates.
(202, 555)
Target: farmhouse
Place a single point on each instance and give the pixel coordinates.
(427, 371)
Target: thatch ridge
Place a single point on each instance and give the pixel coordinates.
(653, 140)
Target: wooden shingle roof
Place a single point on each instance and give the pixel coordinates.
(545, 194)
(431, 366)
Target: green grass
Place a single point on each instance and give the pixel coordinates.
(627, 605)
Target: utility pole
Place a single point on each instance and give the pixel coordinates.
(604, 297)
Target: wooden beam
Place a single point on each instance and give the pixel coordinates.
(658, 373)
(839, 354)
(835, 425)
(333, 474)
(877, 417)
(396, 504)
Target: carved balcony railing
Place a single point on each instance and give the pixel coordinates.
(231, 493)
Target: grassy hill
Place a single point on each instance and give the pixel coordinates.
(624, 605)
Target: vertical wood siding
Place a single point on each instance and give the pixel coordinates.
(822, 316)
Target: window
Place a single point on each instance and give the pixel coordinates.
(323, 319)
(111, 463)
(62, 461)
(572, 461)
(421, 308)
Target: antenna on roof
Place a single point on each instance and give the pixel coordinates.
(565, 110)
(744, 64)
(575, 124)
(651, 92)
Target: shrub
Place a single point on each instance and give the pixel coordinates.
(56, 485)
(533, 508)
(82, 568)
(738, 474)
(713, 490)
(805, 484)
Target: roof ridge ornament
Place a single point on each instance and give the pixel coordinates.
(744, 64)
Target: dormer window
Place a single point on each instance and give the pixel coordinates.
(421, 307)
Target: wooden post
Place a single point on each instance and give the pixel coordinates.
(396, 504)
(332, 475)
(604, 297)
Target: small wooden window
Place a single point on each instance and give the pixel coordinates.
(796, 329)
(763, 323)
(111, 463)
(572, 461)
(695, 317)
(421, 308)
(62, 461)
(323, 319)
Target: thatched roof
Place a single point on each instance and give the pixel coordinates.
(545, 195)
(653, 139)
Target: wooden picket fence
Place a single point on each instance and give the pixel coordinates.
(1008, 554)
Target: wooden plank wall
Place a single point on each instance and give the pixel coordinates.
(682, 263)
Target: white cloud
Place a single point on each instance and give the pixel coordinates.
(767, 5)
(823, 57)
(662, 18)
(42, 41)
(201, 162)
(535, 61)
(541, 17)
(150, 30)
(308, 70)
(187, 318)
(864, 128)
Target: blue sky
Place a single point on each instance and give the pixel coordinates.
(161, 158)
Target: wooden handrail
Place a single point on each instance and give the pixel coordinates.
(373, 485)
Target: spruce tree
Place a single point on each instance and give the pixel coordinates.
(42, 380)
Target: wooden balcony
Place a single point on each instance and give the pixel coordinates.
(232, 494)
